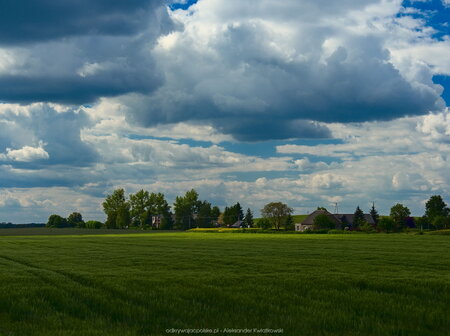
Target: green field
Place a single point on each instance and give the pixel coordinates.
(143, 284)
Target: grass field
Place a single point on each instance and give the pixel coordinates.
(45, 231)
(143, 284)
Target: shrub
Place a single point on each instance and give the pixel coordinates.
(93, 224)
(75, 220)
(226, 230)
(321, 231)
(386, 224)
(264, 224)
(335, 231)
(323, 222)
(441, 222)
(367, 228)
(57, 221)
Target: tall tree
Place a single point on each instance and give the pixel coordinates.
(399, 213)
(374, 214)
(239, 212)
(75, 220)
(139, 204)
(276, 213)
(248, 219)
(358, 218)
(436, 207)
(185, 207)
(441, 222)
(123, 219)
(227, 216)
(215, 213)
(158, 206)
(289, 224)
(204, 219)
(56, 221)
(233, 214)
(117, 210)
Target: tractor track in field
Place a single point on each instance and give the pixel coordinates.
(80, 281)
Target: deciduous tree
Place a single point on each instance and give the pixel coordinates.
(276, 213)
(386, 224)
(204, 219)
(75, 220)
(56, 221)
(215, 213)
(185, 207)
(399, 213)
(117, 210)
(139, 206)
(436, 207)
(264, 223)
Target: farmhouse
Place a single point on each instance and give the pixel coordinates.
(340, 220)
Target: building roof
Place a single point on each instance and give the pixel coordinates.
(348, 218)
(237, 224)
(336, 218)
(310, 219)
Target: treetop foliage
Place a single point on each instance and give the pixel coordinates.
(276, 213)
(436, 207)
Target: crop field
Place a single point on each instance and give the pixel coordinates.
(158, 283)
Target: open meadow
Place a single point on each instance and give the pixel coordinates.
(144, 284)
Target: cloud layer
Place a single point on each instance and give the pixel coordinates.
(74, 52)
(134, 95)
(264, 70)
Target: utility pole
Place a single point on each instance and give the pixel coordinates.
(336, 208)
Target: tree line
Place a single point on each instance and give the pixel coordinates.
(145, 210)
(436, 217)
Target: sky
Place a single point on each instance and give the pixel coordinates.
(307, 102)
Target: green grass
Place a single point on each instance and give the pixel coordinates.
(385, 284)
(44, 231)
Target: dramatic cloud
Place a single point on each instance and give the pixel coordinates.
(77, 51)
(40, 20)
(261, 70)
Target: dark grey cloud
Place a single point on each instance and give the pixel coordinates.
(41, 178)
(74, 89)
(28, 21)
(268, 128)
(74, 52)
(253, 76)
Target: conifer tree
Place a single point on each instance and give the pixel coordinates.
(358, 218)
(248, 220)
(289, 225)
(374, 214)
